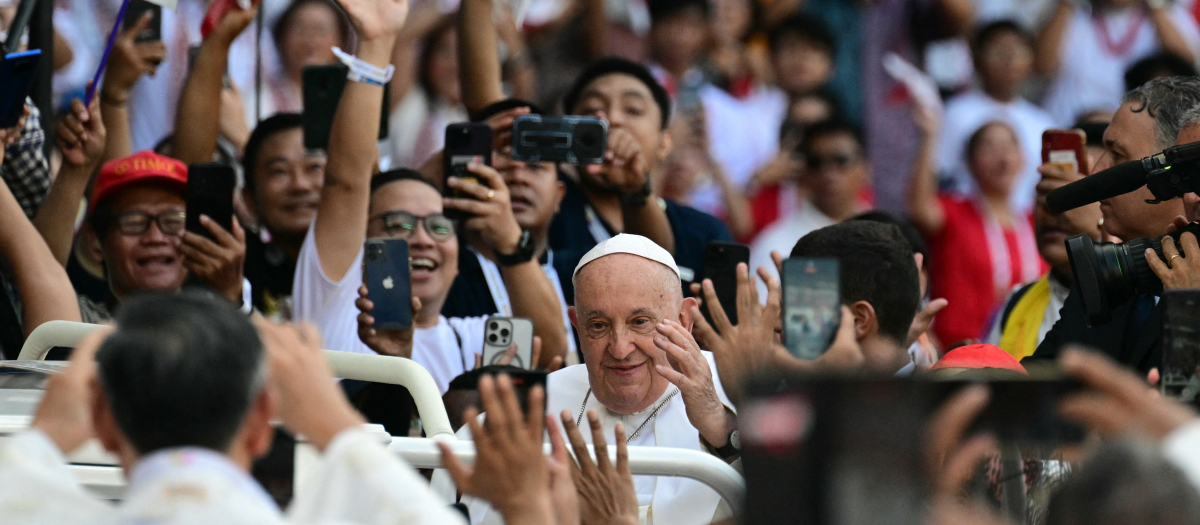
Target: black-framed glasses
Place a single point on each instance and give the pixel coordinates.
(138, 222)
(402, 225)
(841, 160)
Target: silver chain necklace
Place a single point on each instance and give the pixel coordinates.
(636, 433)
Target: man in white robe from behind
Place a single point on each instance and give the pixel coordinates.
(643, 369)
(183, 393)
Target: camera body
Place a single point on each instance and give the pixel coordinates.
(571, 139)
(1109, 274)
(1173, 172)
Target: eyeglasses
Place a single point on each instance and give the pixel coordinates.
(402, 225)
(138, 222)
(840, 160)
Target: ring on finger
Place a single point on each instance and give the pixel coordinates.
(490, 194)
(1172, 258)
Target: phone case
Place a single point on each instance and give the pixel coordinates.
(466, 142)
(720, 265)
(812, 307)
(499, 333)
(17, 70)
(134, 12)
(573, 139)
(1065, 148)
(386, 274)
(209, 192)
(321, 88)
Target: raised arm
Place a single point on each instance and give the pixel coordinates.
(128, 62)
(341, 222)
(81, 139)
(958, 15)
(923, 207)
(1168, 34)
(1049, 40)
(197, 120)
(478, 55)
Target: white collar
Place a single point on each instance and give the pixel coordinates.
(194, 460)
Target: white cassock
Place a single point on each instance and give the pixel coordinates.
(358, 481)
(662, 500)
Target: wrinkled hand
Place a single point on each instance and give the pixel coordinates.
(606, 492)
(1117, 401)
(397, 342)
(684, 366)
(951, 462)
(1179, 270)
(924, 318)
(65, 413)
(510, 471)
(376, 19)
(625, 166)
(562, 484)
(490, 209)
(130, 60)
(81, 135)
(748, 347)
(310, 402)
(216, 264)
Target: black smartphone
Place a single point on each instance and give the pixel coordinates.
(573, 139)
(209, 192)
(321, 88)
(812, 305)
(134, 12)
(17, 70)
(1021, 410)
(1181, 345)
(386, 273)
(720, 265)
(522, 380)
(466, 142)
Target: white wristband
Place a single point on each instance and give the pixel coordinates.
(365, 72)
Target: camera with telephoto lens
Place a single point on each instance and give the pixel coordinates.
(1110, 274)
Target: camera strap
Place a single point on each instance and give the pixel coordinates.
(499, 292)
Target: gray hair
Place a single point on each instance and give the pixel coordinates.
(1169, 101)
(1190, 118)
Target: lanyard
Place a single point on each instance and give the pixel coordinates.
(495, 283)
(595, 225)
(998, 249)
(1121, 47)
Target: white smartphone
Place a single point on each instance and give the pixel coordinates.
(500, 333)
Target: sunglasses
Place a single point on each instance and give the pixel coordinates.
(402, 225)
(138, 223)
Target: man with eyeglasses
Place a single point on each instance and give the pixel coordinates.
(829, 191)
(137, 210)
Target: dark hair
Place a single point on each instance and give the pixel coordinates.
(660, 9)
(830, 127)
(180, 370)
(806, 28)
(496, 108)
(1165, 99)
(909, 231)
(616, 65)
(427, 44)
(985, 33)
(1154, 66)
(977, 135)
(875, 265)
(284, 22)
(382, 179)
(269, 127)
(1124, 482)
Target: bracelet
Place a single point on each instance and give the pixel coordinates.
(362, 71)
(105, 98)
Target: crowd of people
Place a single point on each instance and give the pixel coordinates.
(901, 138)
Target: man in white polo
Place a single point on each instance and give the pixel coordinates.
(643, 369)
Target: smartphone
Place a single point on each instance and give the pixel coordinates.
(720, 265)
(1020, 410)
(386, 274)
(1065, 148)
(321, 90)
(134, 12)
(500, 333)
(17, 70)
(209, 192)
(573, 140)
(522, 380)
(812, 306)
(1181, 345)
(466, 142)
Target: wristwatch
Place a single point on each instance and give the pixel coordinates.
(523, 254)
(732, 448)
(638, 198)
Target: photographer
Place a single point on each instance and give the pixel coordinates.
(1148, 121)
(1184, 273)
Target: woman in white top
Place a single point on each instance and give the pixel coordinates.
(304, 35)
(425, 93)
(1085, 52)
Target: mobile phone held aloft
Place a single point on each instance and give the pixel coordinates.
(17, 71)
(386, 274)
(720, 265)
(1065, 148)
(322, 88)
(134, 12)
(500, 333)
(209, 192)
(466, 143)
(812, 306)
(573, 140)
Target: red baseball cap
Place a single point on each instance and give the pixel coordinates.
(143, 166)
(979, 356)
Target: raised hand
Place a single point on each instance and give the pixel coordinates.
(130, 60)
(216, 262)
(606, 492)
(490, 210)
(81, 135)
(562, 484)
(625, 166)
(1117, 401)
(376, 19)
(65, 413)
(685, 367)
(924, 318)
(397, 342)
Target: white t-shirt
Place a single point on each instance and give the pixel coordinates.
(966, 113)
(743, 136)
(1090, 76)
(781, 236)
(445, 350)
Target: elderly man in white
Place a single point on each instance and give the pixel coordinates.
(643, 369)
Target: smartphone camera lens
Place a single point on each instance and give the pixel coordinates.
(492, 338)
(504, 333)
(493, 326)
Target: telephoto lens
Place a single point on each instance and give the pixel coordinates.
(1108, 275)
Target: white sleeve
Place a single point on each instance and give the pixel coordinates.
(313, 292)
(360, 481)
(1182, 448)
(39, 486)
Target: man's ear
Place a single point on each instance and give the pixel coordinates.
(103, 422)
(574, 317)
(249, 201)
(260, 435)
(866, 324)
(919, 258)
(665, 146)
(559, 194)
(685, 313)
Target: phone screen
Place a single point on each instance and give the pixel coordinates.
(210, 192)
(720, 266)
(811, 305)
(1181, 345)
